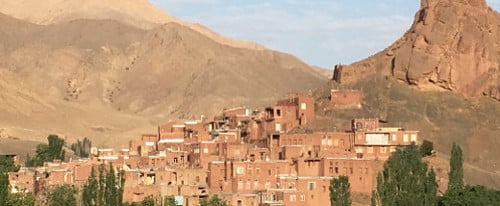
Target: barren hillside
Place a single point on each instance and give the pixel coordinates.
(103, 78)
(138, 13)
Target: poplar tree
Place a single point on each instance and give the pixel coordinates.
(62, 195)
(4, 189)
(101, 198)
(405, 180)
(47, 152)
(456, 174)
(90, 190)
(340, 191)
(111, 192)
(454, 195)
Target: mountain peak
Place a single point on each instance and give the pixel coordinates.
(437, 3)
(451, 45)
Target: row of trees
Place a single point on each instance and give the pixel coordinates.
(407, 180)
(104, 189)
(54, 149)
(170, 201)
(47, 152)
(82, 148)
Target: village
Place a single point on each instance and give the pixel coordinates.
(245, 156)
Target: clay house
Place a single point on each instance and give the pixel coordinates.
(25, 180)
(296, 110)
(374, 142)
(345, 99)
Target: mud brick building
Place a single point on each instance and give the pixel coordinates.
(246, 156)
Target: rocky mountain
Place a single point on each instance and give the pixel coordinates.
(442, 78)
(452, 45)
(105, 78)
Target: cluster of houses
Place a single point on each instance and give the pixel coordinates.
(247, 157)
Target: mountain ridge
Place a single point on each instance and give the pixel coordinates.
(89, 67)
(138, 13)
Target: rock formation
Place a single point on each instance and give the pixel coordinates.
(452, 45)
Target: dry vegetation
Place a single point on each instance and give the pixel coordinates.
(111, 82)
(442, 117)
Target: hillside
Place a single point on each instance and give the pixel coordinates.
(138, 13)
(452, 45)
(103, 78)
(440, 77)
(442, 117)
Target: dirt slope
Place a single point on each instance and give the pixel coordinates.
(102, 78)
(138, 13)
(452, 45)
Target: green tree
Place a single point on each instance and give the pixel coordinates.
(47, 152)
(101, 193)
(90, 190)
(456, 174)
(405, 180)
(111, 191)
(62, 195)
(21, 199)
(4, 189)
(213, 201)
(426, 148)
(340, 191)
(148, 201)
(82, 148)
(6, 166)
(454, 195)
(169, 201)
(120, 186)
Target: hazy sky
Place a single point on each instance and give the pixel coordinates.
(320, 32)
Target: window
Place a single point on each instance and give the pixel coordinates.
(205, 150)
(248, 185)
(278, 127)
(255, 184)
(239, 203)
(394, 137)
(383, 150)
(278, 112)
(369, 149)
(351, 170)
(330, 170)
(413, 137)
(303, 106)
(311, 185)
(405, 138)
(240, 185)
(240, 170)
(293, 198)
(302, 198)
(336, 170)
(267, 185)
(392, 149)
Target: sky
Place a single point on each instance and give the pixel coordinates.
(320, 32)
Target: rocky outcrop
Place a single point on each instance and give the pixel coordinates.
(452, 45)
